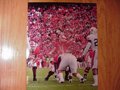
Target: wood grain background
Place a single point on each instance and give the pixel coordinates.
(13, 21)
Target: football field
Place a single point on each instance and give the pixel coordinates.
(52, 84)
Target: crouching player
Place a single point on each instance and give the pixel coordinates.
(68, 60)
(53, 66)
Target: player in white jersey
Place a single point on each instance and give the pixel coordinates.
(68, 60)
(93, 43)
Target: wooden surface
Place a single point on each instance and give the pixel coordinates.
(13, 14)
(13, 22)
(75, 1)
(109, 42)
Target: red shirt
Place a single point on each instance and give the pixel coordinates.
(37, 50)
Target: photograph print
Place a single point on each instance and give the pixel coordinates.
(62, 46)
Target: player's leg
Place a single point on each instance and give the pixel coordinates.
(86, 71)
(95, 70)
(88, 67)
(56, 69)
(50, 73)
(79, 76)
(34, 73)
(60, 76)
(67, 71)
(62, 67)
(95, 76)
(73, 68)
(70, 77)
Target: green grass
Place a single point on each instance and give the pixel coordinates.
(52, 84)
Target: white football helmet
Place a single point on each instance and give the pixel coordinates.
(93, 30)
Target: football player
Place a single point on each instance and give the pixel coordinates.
(33, 64)
(53, 66)
(68, 60)
(93, 43)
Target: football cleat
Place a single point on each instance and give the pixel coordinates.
(34, 79)
(94, 84)
(84, 79)
(70, 80)
(81, 80)
(66, 79)
(61, 81)
(46, 79)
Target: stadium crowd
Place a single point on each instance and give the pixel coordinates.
(60, 26)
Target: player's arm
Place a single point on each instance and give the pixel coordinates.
(86, 48)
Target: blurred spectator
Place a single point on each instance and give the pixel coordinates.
(59, 27)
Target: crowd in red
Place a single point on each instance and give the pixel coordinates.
(54, 28)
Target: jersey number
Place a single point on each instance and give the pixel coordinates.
(96, 42)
